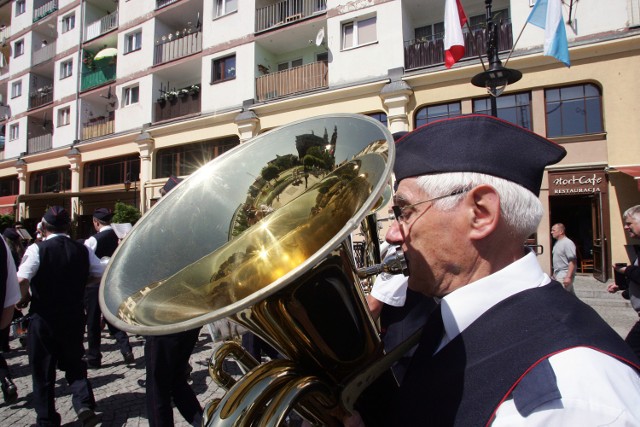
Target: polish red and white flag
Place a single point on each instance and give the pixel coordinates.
(454, 20)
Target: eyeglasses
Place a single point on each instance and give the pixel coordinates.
(398, 211)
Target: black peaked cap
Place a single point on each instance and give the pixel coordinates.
(57, 216)
(477, 143)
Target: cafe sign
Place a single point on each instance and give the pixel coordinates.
(576, 183)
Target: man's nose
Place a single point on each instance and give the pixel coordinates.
(394, 234)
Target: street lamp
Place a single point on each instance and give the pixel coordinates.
(497, 77)
(127, 187)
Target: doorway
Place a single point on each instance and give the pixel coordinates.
(583, 218)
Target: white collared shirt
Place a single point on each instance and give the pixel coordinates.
(91, 242)
(596, 389)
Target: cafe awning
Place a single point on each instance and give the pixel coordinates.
(8, 204)
(633, 171)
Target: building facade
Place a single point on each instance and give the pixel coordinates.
(103, 100)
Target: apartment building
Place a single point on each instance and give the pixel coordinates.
(103, 100)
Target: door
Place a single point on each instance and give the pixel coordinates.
(600, 264)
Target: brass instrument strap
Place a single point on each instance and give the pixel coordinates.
(364, 379)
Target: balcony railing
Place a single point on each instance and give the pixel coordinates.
(39, 143)
(99, 126)
(101, 26)
(163, 3)
(291, 81)
(98, 77)
(287, 11)
(44, 10)
(41, 96)
(43, 54)
(423, 53)
(169, 50)
(5, 33)
(177, 107)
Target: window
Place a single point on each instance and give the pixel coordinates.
(133, 42)
(16, 89)
(432, 113)
(573, 110)
(224, 7)
(50, 180)
(131, 95)
(290, 64)
(186, 159)
(112, 171)
(430, 32)
(9, 186)
(68, 22)
(381, 117)
(64, 116)
(514, 108)
(223, 69)
(358, 33)
(18, 48)
(66, 69)
(14, 131)
(21, 7)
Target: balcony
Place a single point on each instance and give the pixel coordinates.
(41, 96)
(286, 12)
(5, 33)
(175, 48)
(178, 106)
(292, 81)
(424, 53)
(162, 3)
(98, 126)
(44, 10)
(46, 52)
(39, 143)
(98, 77)
(101, 26)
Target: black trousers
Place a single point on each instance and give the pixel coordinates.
(57, 343)
(167, 363)
(94, 328)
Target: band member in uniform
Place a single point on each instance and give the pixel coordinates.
(167, 364)
(9, 295)
(56, 271)
(506, 345)
(103, 244)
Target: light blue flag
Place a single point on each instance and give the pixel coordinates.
(547, 14)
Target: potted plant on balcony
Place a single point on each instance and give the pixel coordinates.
(182, 93)
(194, 90)
(171, 95)
(162, 101)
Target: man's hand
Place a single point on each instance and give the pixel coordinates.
(612, 288)
(24, 301)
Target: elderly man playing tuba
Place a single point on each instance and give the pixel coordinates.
(507, 345)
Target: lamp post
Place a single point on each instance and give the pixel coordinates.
(127, 187)
(497, 77)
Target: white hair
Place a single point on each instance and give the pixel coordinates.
(521, 210)
(632, 212)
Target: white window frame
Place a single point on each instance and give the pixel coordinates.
(131, 95)
(133, 41)
(353, 30)
(224, 7)
(64, 116)
(18, 48)
(16, 89)
(21, 7)
(290, 64)
(66, 69)
(68, 22)
(14, 131)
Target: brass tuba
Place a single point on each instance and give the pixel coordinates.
(261, 235)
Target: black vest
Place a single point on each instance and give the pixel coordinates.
(465, 382)
(107, 243)
(57, 289)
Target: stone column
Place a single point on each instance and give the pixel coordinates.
(75, 159)
(395, 96)
(247, 123)
(146, 144)
(21, 168)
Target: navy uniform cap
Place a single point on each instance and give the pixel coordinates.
(477, 143)
(170, 184)
(57, 216)
(103, 214)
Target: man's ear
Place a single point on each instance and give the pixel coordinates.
(484, 204)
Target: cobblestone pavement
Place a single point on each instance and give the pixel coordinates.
(120, 396)
(118, 389)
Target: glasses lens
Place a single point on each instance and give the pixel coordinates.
(397, 212)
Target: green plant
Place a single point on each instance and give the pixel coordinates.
(124, 213)
(6, 221)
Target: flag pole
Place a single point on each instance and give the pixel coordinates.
(515, 43)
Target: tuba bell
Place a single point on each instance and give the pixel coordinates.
(262, 235)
